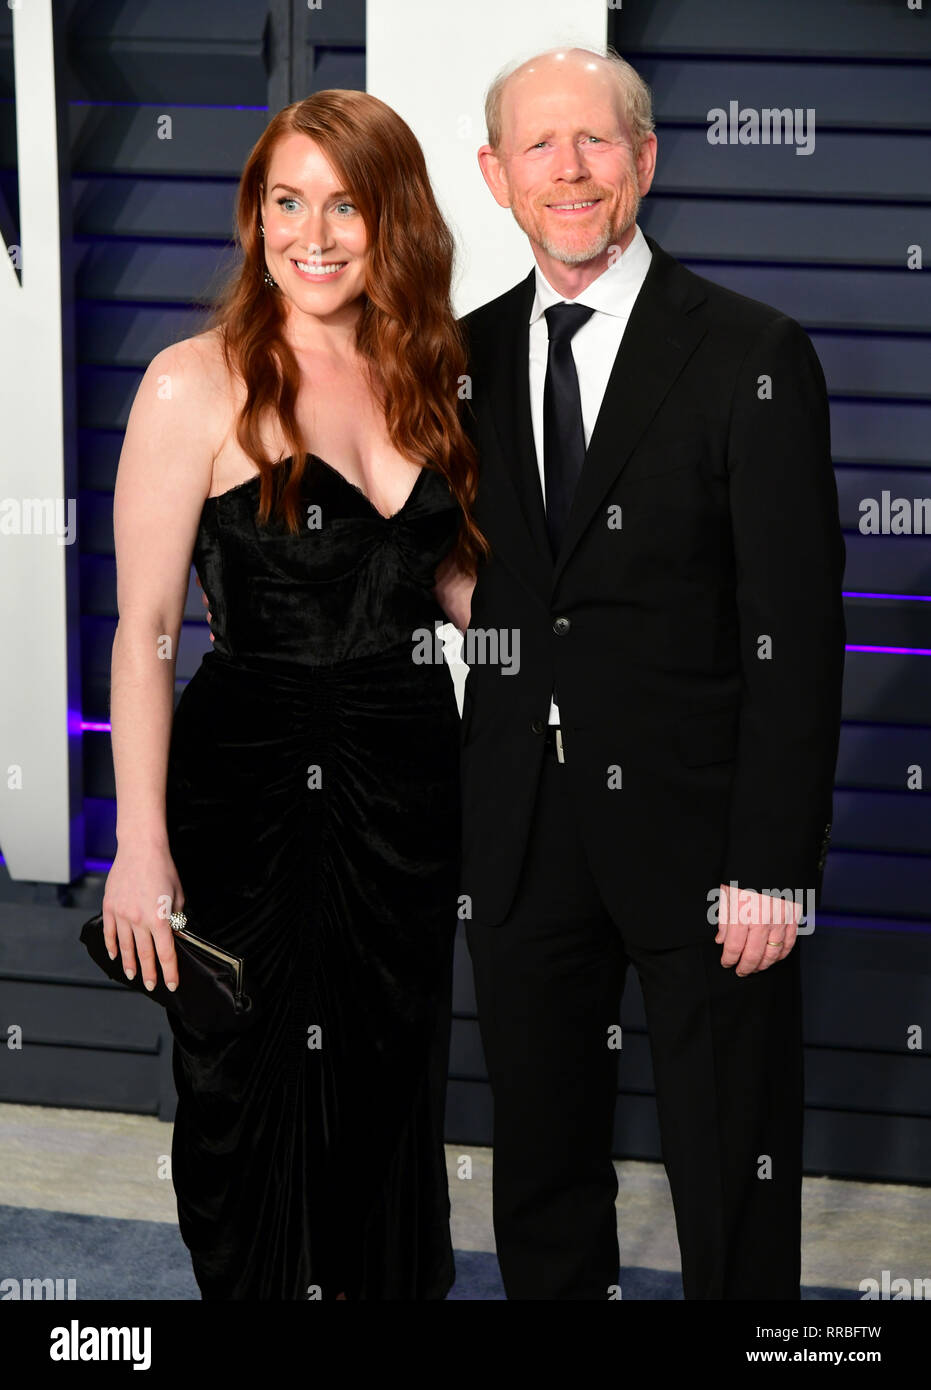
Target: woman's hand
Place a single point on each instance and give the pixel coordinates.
(142, 891)
(163, 479)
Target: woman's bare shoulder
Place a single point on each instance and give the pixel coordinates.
(198, 361)
(191, 374)
(182, 407)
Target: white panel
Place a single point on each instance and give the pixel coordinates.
(36, 827)
(432, 63)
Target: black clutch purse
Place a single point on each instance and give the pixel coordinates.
(211, 995)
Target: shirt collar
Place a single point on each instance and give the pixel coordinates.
(611, 292)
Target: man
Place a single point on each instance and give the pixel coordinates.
(657, 489)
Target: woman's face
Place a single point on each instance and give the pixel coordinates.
(315, 239)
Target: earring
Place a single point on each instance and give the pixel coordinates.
(273, 284)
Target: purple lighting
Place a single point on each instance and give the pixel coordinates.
(892, 651)
(89, 726)
(912, 598)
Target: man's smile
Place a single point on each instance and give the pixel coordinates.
(574, 209)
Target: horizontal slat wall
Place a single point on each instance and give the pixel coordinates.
(88, 1043)
(868, 1096)
(153, 228)
(153, 222)
(823, 237)
(85, 1042)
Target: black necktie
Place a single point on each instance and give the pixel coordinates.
(563, 435)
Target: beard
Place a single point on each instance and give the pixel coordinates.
(573, 246)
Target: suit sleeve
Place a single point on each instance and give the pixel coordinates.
(790, 552)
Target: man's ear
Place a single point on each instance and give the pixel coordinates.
(646, 163)
(493, 172)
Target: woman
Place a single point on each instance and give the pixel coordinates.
(303, 803)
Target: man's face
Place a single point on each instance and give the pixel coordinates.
(566, 165)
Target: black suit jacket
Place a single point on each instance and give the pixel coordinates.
(692, 622)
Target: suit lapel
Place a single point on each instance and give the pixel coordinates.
(658, 341)
(512, 496)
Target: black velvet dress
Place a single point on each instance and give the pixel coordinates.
(313, 817)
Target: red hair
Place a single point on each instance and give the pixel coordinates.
(407, 331)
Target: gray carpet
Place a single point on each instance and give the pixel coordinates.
(119, 1259)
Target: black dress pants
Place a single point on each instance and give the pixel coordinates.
(727, 1063)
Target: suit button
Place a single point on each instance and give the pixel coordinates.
(538, 725)
(561, 626)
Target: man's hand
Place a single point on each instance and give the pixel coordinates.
(206, 602)
(757, 930)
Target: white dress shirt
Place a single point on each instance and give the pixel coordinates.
(594, 346)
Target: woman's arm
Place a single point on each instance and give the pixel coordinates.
(164, 475)
(453, 592)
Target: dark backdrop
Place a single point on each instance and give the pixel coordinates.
(824, 237)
